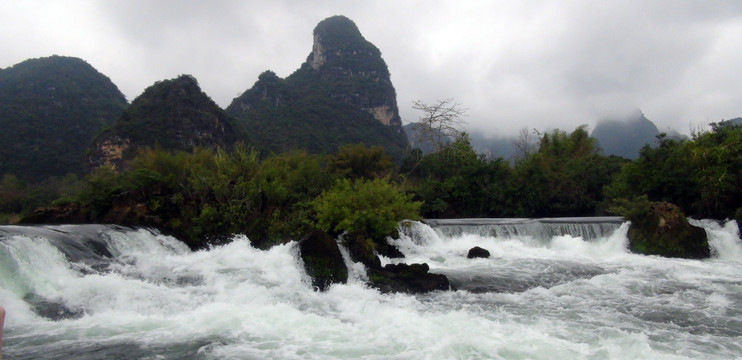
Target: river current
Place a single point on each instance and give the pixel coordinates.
(552, 289)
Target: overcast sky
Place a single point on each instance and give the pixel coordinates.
(513, 64)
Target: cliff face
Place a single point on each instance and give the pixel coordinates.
(50, 110)
(344, 58)
(173, 114)
(341, 94)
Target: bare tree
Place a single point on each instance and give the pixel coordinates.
(526, 144)
(440, 122)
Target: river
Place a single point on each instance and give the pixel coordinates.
(552, 289)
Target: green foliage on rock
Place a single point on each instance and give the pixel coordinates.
(660, 228)
(373, 206)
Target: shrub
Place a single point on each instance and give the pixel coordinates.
(373, 206)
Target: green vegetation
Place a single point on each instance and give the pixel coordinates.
(205, 196)
(701, 175)
(19, 198)
(373, 206)
(563, 177)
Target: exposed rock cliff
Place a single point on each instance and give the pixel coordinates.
(341, 94)
(354, 67)
(173, 114)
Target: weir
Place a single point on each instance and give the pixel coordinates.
(588, 228)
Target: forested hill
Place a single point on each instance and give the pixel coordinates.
(50, 110)
(172, 114)
(342, 94)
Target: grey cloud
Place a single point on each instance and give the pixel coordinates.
(540, 64)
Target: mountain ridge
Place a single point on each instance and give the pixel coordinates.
(50, 110)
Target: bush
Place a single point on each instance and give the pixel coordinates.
(373, 206)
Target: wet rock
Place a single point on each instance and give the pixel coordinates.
(662, 229)
(738, 218)
(407, 278)
(385, 248)
(477, 252)
(323, 260)
(52, 310)
(390, 251)
(362, 249)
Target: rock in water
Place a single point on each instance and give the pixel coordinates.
(664, 230)
(323, 260)
(477, 252)
(407, 278)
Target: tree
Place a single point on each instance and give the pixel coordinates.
(440, 122)
(526, 144)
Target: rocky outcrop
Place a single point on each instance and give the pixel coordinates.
(477, 252)
(662, 229)
(324, 264)
(362, 249)
(172, 114)
(341, 54)
(407, 278)
(322, 260)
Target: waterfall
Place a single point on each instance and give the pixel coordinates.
(543, 230)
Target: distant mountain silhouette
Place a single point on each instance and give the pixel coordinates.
(50, 110)
(625, 136)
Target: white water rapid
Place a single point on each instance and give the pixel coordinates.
(99, 292)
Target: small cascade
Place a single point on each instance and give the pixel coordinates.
(724, 238)
(543, 230)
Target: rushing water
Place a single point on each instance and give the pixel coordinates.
(98, 292)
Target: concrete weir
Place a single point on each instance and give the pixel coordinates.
(588, 228)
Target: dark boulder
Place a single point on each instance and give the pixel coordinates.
(383, 247)
(407, 278)
(738, 218)
(477, 252)
(362, 249)
(322, 260)
(663, 229)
